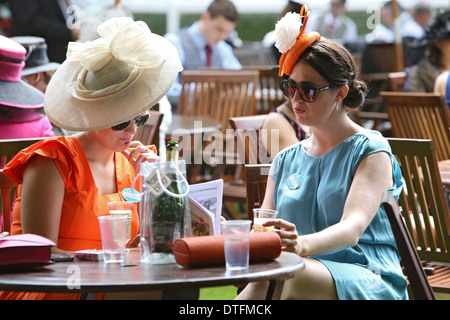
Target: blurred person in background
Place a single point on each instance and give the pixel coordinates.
(203, 44)
(18, 99)
(38, 68)
(270, 37)
(422, 76)
(48, 19)
(334, 24)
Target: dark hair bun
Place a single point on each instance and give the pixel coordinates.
(356, 94)
(337, 66)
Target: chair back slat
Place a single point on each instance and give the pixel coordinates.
(420, 116)
(397, 81)
(219, 94)
(10, 147)
(269, 95)
(255, 184)
(423, 202)
(7, 192)
(148, 134)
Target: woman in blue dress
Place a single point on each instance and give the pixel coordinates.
(328, 187)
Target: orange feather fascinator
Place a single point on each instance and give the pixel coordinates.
(292, 40)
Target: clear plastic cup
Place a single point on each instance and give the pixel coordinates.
(122, 208)
(114, 238)
(236, 244)
(261, 216)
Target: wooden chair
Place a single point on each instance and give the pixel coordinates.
(396, 81)
(217, 93)
(420, 116)
(269, 95)
(10, 147)
(246, 132)
(255, 56)
(7, 189)
(417, 279)
(149, 133)
(424, 207)
(255, 185)
(380, 58)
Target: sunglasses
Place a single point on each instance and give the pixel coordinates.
(306, 91)
(139, 121)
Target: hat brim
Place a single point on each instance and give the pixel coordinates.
(52, 66)
(21, 95)
(68, 110)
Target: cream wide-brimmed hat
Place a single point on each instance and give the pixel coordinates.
(112, 79)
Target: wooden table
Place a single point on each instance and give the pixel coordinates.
(444, 169)
(96, 277)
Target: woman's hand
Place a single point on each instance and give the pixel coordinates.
(137, 153)
(135, 242)
(288, 234)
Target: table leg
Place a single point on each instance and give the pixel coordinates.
(275, 289)
(88, 296)
(181, 294)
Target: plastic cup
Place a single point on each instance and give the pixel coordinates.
(122, 208)
(114, 238)
(236, 244)
(261, 216)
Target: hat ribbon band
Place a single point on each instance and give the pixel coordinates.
(86, 93)
(11, 71)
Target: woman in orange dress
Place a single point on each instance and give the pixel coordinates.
(103, 89)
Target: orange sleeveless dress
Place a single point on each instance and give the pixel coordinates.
(79, 227)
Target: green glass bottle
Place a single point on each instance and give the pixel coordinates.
(169, 211)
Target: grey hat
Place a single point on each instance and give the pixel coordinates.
(36, 59)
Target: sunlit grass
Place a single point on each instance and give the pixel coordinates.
(218, 293)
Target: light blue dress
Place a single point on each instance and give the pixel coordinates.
(311, 192)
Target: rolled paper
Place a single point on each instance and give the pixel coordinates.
(209, 250)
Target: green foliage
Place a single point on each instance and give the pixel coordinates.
(251, 27)
(218, 293)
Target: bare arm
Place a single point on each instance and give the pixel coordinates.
(440, 85)
(277, 126)
(372, 178)
(42, 198)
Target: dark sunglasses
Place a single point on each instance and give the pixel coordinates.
(306, 91)
(139, 121)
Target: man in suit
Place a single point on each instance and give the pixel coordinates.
(47, 19)
(203, 44)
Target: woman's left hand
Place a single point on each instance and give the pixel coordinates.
(288, 234)
(137, 153)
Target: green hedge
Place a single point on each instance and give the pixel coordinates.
(251, 27)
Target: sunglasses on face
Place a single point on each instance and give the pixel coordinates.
(306, 90)
(139, 121)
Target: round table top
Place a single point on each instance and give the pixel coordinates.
(93, 276)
